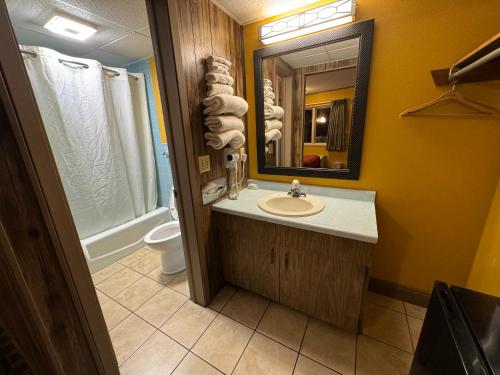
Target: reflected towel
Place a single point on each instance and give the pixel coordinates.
(273, 111)
(273, 124)
(223, 103)
(218, 88)
(269, 101)
(268, 82)
(219, 124)
(225, 79)
(273, 135)
(234, 138)
(219, 69)
(218, 59)
(269, 94)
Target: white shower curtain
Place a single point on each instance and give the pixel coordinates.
(99, 131)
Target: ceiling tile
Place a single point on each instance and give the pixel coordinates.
(109, 59)
(133, 45)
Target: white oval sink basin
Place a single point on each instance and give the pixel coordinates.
(286, 205)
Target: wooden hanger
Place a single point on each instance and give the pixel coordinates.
(452, 95)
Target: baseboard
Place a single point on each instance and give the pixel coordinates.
(402, 293)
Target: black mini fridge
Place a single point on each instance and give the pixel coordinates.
(460, 334)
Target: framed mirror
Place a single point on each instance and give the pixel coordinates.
(310, 96)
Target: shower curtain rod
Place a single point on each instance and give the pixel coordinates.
(114, 72)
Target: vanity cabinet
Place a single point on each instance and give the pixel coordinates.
(321, 275)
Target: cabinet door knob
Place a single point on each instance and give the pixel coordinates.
(272, 256)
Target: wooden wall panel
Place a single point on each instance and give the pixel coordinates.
(204, 29)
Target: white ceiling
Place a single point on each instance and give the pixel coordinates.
(122, 28)
(332, 80)
(248, 11)
(319, 55)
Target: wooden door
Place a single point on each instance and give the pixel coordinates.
(249, 254)
(323, 276)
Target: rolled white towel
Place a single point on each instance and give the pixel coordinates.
(225, 79)
(273, 124)
(269, 94)
(223, 103)
(269, 101)
(219, 88)
(218, 59)
(277, 112)
(268, 82)
(272, 135)
(219, 69)
(219, 124)
(234, 138)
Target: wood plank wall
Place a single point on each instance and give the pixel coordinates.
(204, 30)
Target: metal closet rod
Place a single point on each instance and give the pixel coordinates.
(455, 74)
(114, 72)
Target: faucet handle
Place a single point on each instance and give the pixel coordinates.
(295, 183)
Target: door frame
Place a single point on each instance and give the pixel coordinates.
(32, 142)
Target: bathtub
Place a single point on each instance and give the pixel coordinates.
(107, 247)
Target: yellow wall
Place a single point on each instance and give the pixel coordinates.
(434, 177)
(326, 97)
(485, 273)
(159, 109)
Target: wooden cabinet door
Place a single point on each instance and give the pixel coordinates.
(249, 254)
(323, 276)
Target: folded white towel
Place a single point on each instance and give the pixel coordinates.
(269, 101)
(223, 103)
(268, 110)
(219, 124)
(268, 82)
(219, 69)
(225, 79)
(277, 112)
(211, 64)
(234, 138)
(273, 135)
(273, 124)
(218, 59)
(218, 88)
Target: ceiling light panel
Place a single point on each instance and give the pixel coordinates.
(70, 28)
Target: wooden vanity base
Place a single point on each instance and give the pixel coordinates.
(321, 275)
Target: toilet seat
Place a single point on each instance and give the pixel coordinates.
(164, 233)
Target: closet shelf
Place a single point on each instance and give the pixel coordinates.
(482, 64)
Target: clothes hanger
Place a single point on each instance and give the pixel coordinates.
(453, 95)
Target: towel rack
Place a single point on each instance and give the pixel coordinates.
(83, 65)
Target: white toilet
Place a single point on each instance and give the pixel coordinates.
(166, 239)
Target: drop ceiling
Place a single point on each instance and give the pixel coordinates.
(248, 11)
(122, 28)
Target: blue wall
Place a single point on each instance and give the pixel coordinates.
(163, 170)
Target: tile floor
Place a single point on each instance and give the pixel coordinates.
(156, 329)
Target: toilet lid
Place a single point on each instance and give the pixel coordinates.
(172, 205)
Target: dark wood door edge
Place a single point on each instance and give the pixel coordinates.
(402, 293)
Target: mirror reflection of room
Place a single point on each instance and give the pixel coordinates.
(308, 100)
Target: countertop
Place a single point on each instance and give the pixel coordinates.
(348, 213)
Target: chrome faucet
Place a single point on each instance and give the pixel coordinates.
(295, 190)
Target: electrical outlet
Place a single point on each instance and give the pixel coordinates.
(204, 163)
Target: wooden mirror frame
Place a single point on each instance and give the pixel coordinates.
(363, 31)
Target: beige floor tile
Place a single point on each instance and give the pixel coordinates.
(415, 311)
(113, 313)
(158, 355)
(376, 358)
(330, 346)
(415, 328)
(246, 308)
(223, 343)
(188, 323)
(306, 366)
(118, 282)
(134, 257)
(138, 293)
(222, 297)
(106, 272)
(161, 306)
(180, 284)
(101, 297)
(387, 326)
(284, 325)
(128, 336)
(193, 365)
(146, 263)
(387, 302)
(160, 277)
(265, 356)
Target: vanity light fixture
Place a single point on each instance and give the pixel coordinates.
(70, 28)
(321, 120)
(310, 21)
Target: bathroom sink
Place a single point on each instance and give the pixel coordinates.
(286, 205)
